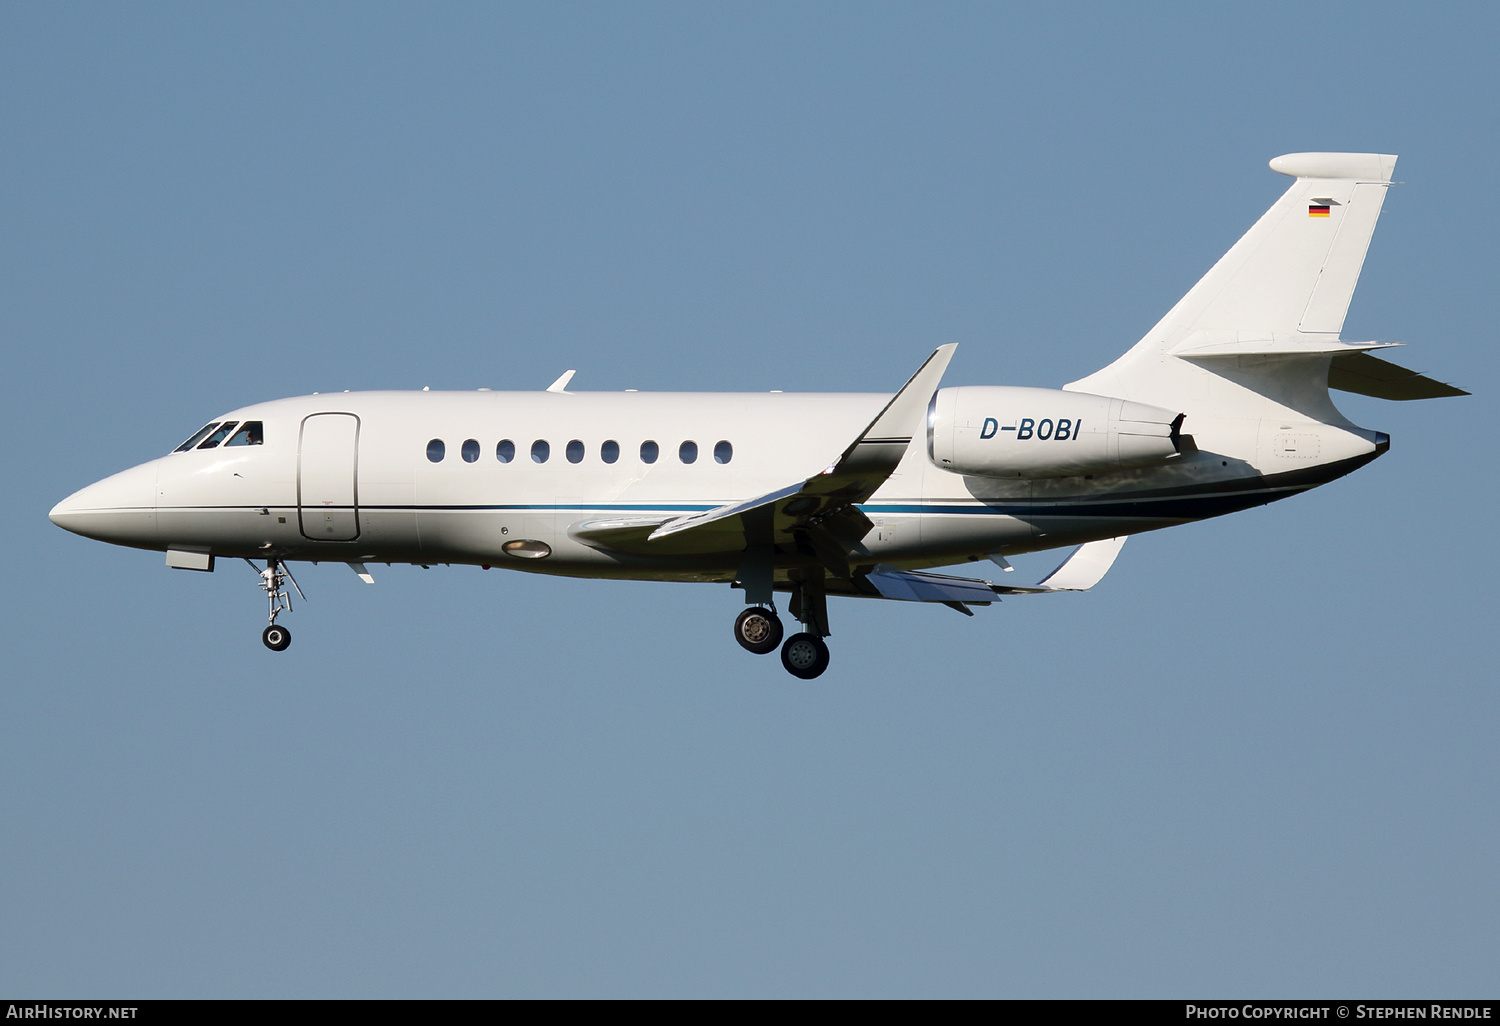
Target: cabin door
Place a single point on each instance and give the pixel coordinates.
(327, 504)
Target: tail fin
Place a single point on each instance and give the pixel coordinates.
(1281, 291)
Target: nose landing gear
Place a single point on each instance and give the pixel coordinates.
(273, 582)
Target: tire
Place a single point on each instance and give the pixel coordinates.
(804, 655)
(758, 630)
(276, 638)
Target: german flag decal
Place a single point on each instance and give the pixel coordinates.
(1317, 210)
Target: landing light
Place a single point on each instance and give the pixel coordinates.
(526, 548)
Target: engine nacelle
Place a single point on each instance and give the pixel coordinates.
(999, 431)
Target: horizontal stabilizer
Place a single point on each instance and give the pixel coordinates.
(1203, 345)
(1370, 375)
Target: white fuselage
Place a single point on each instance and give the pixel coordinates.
(348, 477)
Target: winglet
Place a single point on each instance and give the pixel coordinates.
(560, 386)
(1086, 567)
(888, 435)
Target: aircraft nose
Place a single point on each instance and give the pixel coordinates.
(120, 509)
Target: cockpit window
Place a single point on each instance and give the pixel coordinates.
(249, 434)
(219, 435)
(198, 437)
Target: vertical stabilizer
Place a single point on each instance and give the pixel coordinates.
(1284, 288)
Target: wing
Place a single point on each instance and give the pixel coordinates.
(820, 514)
(1084, 568)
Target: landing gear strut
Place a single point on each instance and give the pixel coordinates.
(805, 655)
(273, 582)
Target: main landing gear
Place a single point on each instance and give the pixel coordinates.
(273, 580)
(758, 630)
(805, 655)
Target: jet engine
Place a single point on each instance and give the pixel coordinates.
(1044, 432)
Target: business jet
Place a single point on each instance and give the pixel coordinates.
(1223, 405)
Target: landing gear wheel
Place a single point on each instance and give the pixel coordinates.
(758, 630)
(804, 655)
(277, 638)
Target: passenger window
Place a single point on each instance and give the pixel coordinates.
(540, 450)
(250, 434)
(435, 450)
(575, 451)
(649, 452)
(609, 451)
(723, 452)
(687, 452)
(470, 450)
(505, 451)
(219, 435)
(201, 434)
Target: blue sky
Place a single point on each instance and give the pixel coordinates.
(1258, 760)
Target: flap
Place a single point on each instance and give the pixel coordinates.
(916, 586)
